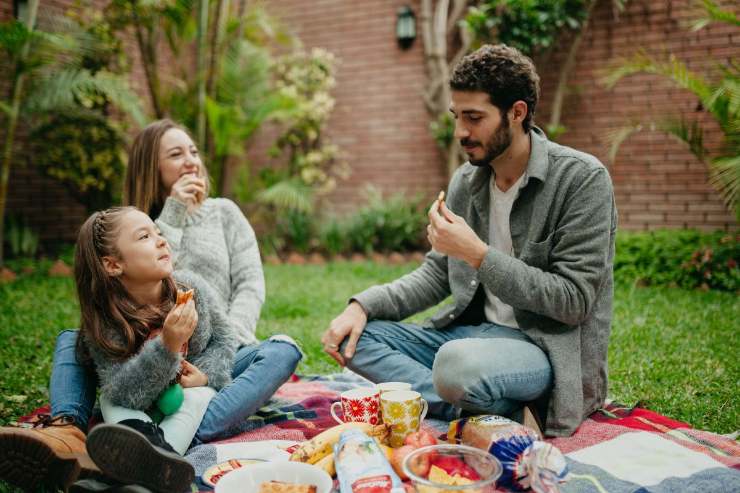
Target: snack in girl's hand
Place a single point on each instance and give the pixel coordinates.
(184, 296)
(527, 462)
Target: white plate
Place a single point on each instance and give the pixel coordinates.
(248, 479)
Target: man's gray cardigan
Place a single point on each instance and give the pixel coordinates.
(136, 382)
(559, 281)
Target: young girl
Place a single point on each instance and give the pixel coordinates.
(135, 335)
(166, 179)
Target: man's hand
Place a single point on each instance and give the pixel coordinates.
(351, 322)
(191, 376)
(189, 189)
(450, 235)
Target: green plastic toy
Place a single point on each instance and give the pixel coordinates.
(170, 399)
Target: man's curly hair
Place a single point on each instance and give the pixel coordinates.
(504, 73)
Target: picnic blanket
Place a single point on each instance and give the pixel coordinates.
(617, 450)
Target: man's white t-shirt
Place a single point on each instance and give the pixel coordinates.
(499, 237)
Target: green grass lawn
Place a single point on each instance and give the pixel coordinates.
(672, 350)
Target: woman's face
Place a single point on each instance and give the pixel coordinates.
(144, 255)
(178, 156)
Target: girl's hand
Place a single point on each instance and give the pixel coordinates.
(189, 189)
(179, 326)
(191, 376)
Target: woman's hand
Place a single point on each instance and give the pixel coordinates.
(189, 189)
(179, 326)
(191, 376)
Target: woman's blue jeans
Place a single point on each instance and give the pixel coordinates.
(258, 371)
(483, 369)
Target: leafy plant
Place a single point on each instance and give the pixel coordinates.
(224, 92)
(312, 164)
(84, 152)
(721, 99)
(46, 71)
(530, 26)
(389, 224)
(685, 258)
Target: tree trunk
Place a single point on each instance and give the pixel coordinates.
(148, 61)
(565, 70)
(202, 54)
(15, 106)
(438, 22)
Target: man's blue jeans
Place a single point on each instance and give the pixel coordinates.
(484, 369)
(258, 372)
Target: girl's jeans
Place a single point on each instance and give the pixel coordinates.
(258, 371)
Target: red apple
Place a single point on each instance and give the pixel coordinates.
(397, 457)
(420, 439)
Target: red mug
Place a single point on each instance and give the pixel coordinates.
(359, 405)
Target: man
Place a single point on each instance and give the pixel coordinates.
(524, 243)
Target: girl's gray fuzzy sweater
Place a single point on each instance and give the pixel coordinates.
(217, 242)
(137, 382)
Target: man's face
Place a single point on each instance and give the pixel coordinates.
(479, 126)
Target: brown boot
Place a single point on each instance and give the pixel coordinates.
(43, 453)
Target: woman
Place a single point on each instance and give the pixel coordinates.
(209, 236)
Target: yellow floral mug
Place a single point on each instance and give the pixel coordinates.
(403, 411)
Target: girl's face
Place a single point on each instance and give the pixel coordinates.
(144, 255)
(178, 156)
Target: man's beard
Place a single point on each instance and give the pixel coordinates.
(496, 145)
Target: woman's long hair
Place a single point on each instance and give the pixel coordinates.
(143, 183)
(105, 304)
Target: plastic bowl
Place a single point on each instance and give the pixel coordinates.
(460, 463)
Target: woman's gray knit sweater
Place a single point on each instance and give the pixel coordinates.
(217, 241)
(136, 383)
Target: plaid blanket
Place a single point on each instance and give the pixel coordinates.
(617, 450)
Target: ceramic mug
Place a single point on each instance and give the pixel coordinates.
(361, 405)
(388, 386)
(403, 410)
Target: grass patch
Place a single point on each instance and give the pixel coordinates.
(671, 349)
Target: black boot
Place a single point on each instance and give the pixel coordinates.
(134, 451)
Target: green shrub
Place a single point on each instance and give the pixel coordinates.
(387, 224)
(333, 237)
(685, 258)
(295, 231)
(85, 153)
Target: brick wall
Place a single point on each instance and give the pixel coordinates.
(381, 124)
(658, 183)
(379, 121)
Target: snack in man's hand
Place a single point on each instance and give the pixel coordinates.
(283, 487)
(184, 296)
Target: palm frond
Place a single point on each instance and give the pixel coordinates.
(289, 194)
(614, 138)
(673, 69)
(714, 13)
(725, 176)
(690, 133)
(687, 132)
(63, 89)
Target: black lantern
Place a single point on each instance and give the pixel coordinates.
(405, 27)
